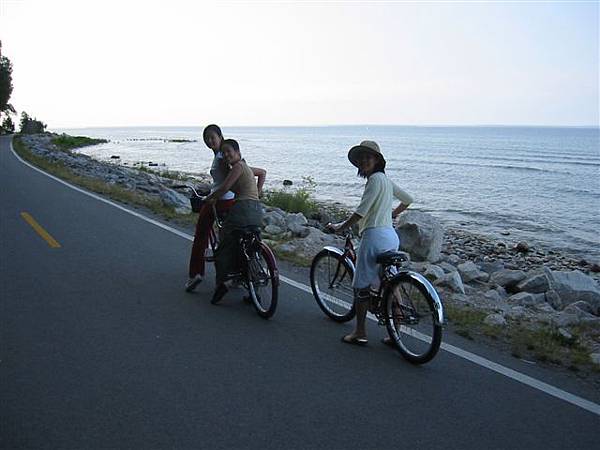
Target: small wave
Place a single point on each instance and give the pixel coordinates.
(493, 166)
(492, 219)
(535, 159)
(578, 191)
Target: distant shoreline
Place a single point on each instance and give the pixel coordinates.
(100, 127)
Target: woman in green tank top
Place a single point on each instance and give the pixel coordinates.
(246, 212)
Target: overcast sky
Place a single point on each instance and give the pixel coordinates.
(120, 63)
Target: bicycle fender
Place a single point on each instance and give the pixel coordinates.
(269, 254)
(437, 302)
(340, 252)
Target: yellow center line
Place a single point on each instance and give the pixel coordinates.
(38, 228)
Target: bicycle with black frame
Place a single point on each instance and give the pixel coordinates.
(258, 273)
(405, 303)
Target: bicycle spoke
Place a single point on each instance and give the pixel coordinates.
(411, 320)
(262, 284)
(331, 280)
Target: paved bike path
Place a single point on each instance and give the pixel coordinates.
(101, 348)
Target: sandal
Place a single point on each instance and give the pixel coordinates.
(355, 340)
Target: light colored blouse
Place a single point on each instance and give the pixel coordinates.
(375, 206)
(218, 174)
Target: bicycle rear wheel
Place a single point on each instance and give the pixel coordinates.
(331, 282)
(263, 281)
(411, 319)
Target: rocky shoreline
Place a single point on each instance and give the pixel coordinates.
(510, 286)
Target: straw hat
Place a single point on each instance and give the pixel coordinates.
(370, 147)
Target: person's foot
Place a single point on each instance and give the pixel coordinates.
(220, 292)
(354, 339)
(193, 282)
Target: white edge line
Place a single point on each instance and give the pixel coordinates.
(472, 357)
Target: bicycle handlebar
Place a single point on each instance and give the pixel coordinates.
(186, 186)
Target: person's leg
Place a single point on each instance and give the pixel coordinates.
(365, 274)
(361, 304)
(197, 262)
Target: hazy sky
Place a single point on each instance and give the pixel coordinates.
(117, 63)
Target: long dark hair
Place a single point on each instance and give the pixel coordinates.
(211, 128)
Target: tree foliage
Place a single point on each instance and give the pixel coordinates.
(8, 125)
(31, 125)
(6, 86)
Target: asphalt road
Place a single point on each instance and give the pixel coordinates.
(100, 347)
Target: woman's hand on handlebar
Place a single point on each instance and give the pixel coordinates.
(335, 227)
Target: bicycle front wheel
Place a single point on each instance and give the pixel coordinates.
(331, 282)
(411, 319)
(263, 281)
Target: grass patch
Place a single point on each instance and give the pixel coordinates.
(292, 257)
(114, 192)
(543, 343)
(464, 333)
(65, 142)
(298, 200)
(464, 317)
(547, 344)
(171, 174)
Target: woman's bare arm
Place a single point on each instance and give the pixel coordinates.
(348, 223)
(401, 207)
(262, 175)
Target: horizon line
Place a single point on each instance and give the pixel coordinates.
(499, 125)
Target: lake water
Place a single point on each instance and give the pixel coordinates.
(540, 184)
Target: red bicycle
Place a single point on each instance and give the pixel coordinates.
(258, 267)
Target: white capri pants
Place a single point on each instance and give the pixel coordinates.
(374, 242)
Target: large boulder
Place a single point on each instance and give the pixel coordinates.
(573, 287)
(526, 299)
(273, 230)
(507, 278)
(420, 235)
(173, 198)
(535, 284)
(308, 246)
(573, 315)
(453, 281)
(433, 272)
(299, 230)
(296, 219)
(275, 218)
(469, 272)
(493, 295)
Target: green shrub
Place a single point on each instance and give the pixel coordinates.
(299, 200)
(66, 142)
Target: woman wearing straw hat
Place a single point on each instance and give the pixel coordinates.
(374, 217)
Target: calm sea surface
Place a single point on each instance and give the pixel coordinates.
(540, 184)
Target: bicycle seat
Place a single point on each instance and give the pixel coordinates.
(392, 257)
(246, 231)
